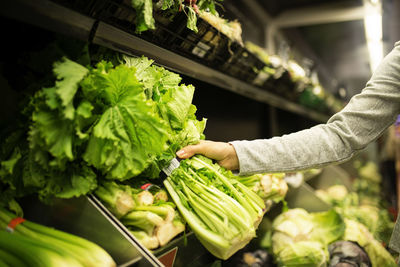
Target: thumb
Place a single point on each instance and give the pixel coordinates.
(186, 152)
(191, 150)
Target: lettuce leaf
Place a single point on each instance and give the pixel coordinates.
(117, 122)
(52, 129)
(192, 20)
(174, 107)
(128, 133)
(144, 15)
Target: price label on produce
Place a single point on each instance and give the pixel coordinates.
(168, 258)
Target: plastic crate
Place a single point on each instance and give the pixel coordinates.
(241, 63)
(204, 46)
(119, 14)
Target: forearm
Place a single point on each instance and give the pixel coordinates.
(312, 148)
(359, 123)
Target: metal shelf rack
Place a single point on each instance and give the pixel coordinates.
(51, 16)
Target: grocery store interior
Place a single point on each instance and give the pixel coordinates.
(99, 95)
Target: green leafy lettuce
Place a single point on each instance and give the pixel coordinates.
(300, 238)
(174, 105)
(128, 132)
(144, 15)
(144, 11)
(109, 121)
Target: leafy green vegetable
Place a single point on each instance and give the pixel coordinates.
(303, 253)
(173, 101)
(39, 245)
(302, 238)
(328, 226)
(117, 198)
(370, 172)
(114, 121)
(144, 15)
(333, 195)
(81, 181)
(144, 11)
(144, 220)
(359, 233)
(268, 186)
(10, 259)
(209, 5)
(42, 160)
(192, 19)
(52, 130)
(128, 132)
(295, 224)
(222, 212)
(351, 205)
(149, 241)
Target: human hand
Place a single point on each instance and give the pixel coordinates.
(223, 153)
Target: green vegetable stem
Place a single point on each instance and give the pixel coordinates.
(221, 211)
(50, 246)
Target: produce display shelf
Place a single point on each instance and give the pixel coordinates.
(183, 250)
(54, 17)
(111, 37)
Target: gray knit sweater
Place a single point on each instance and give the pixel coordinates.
(363, 120)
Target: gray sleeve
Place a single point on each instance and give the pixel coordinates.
(363, 120)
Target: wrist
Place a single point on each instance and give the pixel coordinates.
(232, 157)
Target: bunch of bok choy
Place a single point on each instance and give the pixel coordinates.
(148, 214)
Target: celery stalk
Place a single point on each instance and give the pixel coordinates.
(11, 259)
(234, 191)
(87, 252)
(194, 222)
(4, 264)
(233, 209)
(254, 200)
(221, 211)
(230, 206)
(35, 252)
(209, 218)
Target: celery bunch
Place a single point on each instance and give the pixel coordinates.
(32, 244)
(221, 211)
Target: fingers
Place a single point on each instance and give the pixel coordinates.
(223, 153)
(187, 151)
(191, 150)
